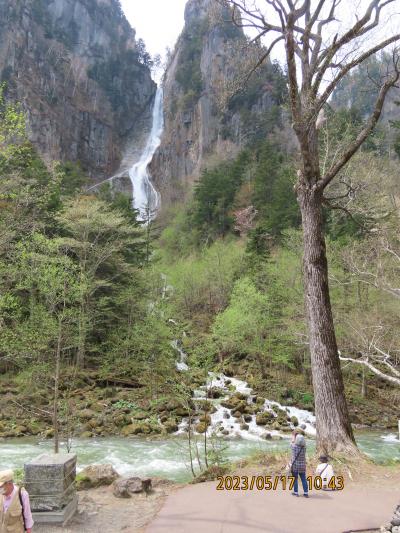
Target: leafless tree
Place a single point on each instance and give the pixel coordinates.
(318, 55)
(373, 354)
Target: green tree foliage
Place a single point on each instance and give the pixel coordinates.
(243, 327)
(214, 197)
(273, 193)
(73, 271)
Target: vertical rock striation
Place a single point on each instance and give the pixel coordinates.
(75, 67)
(199, 131)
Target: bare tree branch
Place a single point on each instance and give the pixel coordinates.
(365, 132)
(374, 369)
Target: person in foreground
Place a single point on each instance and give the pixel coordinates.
(15, 509)
(298, 462)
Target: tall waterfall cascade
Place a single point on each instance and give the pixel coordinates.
(145, 197)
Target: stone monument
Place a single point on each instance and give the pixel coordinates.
(50, 482)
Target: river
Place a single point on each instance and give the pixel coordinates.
(167, 457)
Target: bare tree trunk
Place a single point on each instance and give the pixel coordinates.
(190, 444)
(334, 431)
(56, 389)
(363, 384)
(82, 332)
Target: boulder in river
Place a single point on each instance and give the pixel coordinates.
(264, 418)
(170, 426)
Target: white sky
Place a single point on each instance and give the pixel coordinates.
(157, 22)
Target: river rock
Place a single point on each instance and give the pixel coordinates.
(247, 418)
(395, 522)
(201, 427)
(132, 429)
(171, 426)
(264, 418)
(250, 409)
(86, 435)
(294, 420)
(244, 427)
(215, 393)
(96, 476)
(124, 488)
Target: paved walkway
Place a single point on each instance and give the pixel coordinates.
(202, 509)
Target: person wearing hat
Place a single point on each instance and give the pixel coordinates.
(298, 462)
(15, 509)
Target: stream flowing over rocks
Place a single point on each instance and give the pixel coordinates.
(229, 408)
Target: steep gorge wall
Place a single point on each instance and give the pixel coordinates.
(75, 67)
(199, 131)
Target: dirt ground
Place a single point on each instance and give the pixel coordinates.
(99, 511)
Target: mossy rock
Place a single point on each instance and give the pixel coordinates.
(294, 420)
(215, 392)
(132, 429)
(86, 435)
(207, 407)
(264, 418)
(86, 414)
(95, 476)
(181, 411)
(231, 403)
(140, 416)
(250, 409)
(201, 427)
(244, 427)
(171, 426)
(121, 420)
(205, 418)
(240, 396)
(97, 407)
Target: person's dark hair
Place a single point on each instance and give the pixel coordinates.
(323, 458)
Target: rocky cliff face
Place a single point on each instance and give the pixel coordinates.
(76, 68)
(198, 130)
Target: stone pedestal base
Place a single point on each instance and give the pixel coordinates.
(50, 482)
(57, 517)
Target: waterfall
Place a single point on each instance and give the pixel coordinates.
(145, 197)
